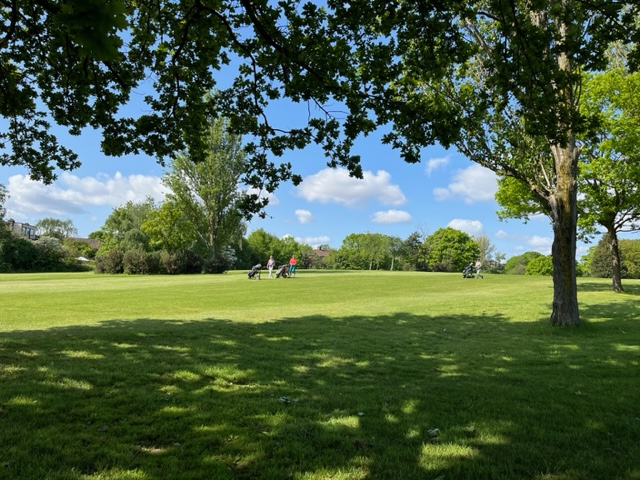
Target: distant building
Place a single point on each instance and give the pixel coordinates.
(92, 242)
(23, 230)
(322, 251)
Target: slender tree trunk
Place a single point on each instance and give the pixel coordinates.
(616, 274)
(564, 219)
(213, 227)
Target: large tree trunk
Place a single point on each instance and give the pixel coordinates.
(564, 216)
(616, 274)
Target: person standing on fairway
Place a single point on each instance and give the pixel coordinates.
(292, 266)
(270, 264)
(478, 268)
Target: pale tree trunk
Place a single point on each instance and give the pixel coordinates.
(563, 205)
(564, 202)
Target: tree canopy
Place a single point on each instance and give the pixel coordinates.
(610, 169)
(450, 250)
(56, 228)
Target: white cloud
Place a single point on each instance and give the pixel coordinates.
(582, 250)
(537, 243)
(473, 184)
(434, 164)
(441, 194)
(336, 186)
(71, 195)
(472, 227)
(391, 216)
(541, 244)
(273, 199)
(304, 216)
(313, 241)
(509, 236)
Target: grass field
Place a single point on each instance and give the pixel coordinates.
(330, 375)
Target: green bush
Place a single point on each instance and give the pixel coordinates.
(517, 265)
(154, 265)
(185, 262)
(215, 265)
(540, 266)
(135, 261)
(110, 262)
(18, 255)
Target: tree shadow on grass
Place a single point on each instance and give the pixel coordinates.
(629, 288)
(400, 396)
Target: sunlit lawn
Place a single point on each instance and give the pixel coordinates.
(330, 375)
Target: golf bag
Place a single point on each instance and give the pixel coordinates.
(283, 271)
(468, 271)
(255, 270)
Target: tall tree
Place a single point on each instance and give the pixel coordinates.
(450, 250)
(412, 251)
(4, 232)
(206, 191)
(486, 248)
(610, 166)
(518, 104)
(3, 199)
(375, 247)
(56, 228)
(395, 246)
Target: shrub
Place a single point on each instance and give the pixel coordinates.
(540, 266)
(110, 262)
(154, 263)
(134, 261)
(215, 265)
(169, 262)
(518, 265)
(18, 255)
(175, 263)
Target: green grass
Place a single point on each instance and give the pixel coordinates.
(330, 375)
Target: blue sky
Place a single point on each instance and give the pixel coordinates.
(394, 198)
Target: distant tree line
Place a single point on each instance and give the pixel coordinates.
(54, 250)
(596, 263)
(598, 260)
(446, 250)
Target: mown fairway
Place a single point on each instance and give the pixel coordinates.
(330, 375)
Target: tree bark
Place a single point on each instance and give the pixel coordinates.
(564, 216)
(616, 268)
